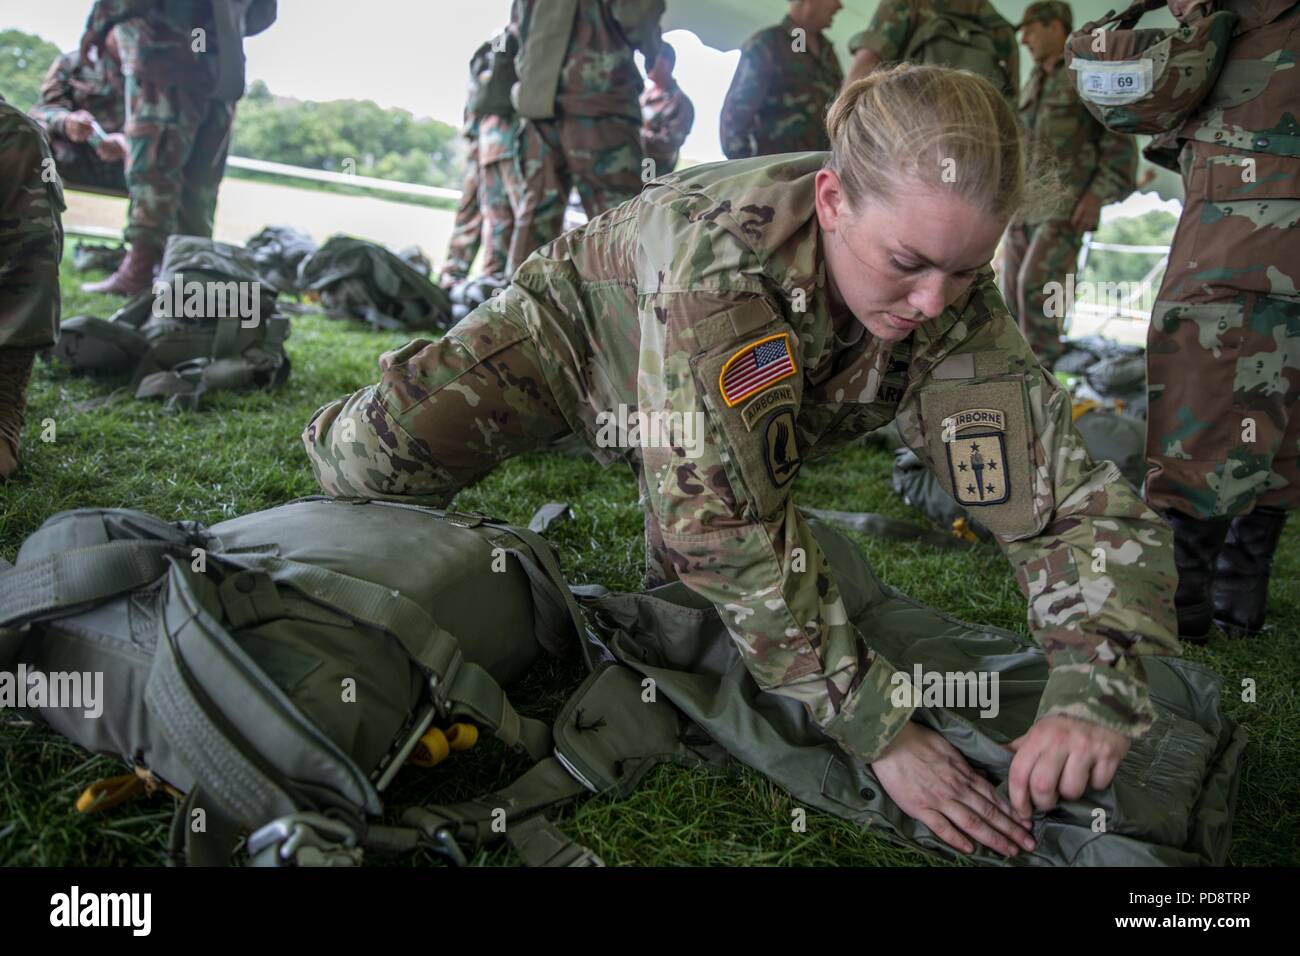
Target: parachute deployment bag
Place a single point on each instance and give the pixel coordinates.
(280, 667)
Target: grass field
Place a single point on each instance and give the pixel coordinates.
(242, 454)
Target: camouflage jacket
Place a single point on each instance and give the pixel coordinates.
(71, 85)
(31, 234)
(1060, 132)
(1253, 106)
(597, 75)
(720, 279)
(666, 120)
(157, 41)
(498, 138)
(896, 24)
(780, 94)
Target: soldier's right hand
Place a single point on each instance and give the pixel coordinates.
(1182, 8)
(930, 781)
(91, 43)
(78, 126)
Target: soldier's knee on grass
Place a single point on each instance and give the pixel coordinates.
(356, 451)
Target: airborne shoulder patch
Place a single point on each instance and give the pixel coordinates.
(780, 450)
(977, 456)
(757, 366)
(982, 450)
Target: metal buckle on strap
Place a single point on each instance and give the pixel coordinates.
(307, 839)
(465, 519)
(444, 844)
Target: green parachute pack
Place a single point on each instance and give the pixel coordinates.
(276, 671)
(208, 324)
(356, 279)
(960, 39)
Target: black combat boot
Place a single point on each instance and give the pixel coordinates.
(1197, 542)
(15, 372)
(1241, 574)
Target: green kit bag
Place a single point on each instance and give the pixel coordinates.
(208, 323)
(280, 667)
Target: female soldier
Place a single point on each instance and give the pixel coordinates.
(790, 304)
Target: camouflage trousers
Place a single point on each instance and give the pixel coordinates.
(498, 217)
(467, 231)
(179, 139)
(1223, 349)
(80, 168)
(1034, 256)
(31, 236)
(600, 155)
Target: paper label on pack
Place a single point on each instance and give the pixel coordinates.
(1113, 83)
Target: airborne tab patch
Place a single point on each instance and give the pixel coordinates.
(756, 367)
(977, 456)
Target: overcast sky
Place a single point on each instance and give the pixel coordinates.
(413, 54)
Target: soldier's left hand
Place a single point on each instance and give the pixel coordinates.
(113, 149)
(1061, 757)
(1087, 214)
(91, 42)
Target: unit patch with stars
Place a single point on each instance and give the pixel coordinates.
(977, 457)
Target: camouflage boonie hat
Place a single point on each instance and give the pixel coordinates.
(1046, 11)
(1147, 81)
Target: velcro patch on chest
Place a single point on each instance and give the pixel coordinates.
(755, 367)
(978, 438)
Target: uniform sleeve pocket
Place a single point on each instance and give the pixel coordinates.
(979, 446)
(751, 388)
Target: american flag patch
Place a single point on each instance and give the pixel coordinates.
(755, 367)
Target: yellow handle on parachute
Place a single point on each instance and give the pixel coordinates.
(437, 744)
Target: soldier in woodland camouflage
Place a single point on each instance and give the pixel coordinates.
(961, 34)
(184, 67)
(485, 214)
(578, 96)
(787, 78)
(31, 245)
(1223, 435)
(786, 308)
(499, 186)
(74, 97)
(667, 114)
(1095, 166)
(467, 229)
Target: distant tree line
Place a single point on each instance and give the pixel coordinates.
(384, 143)
(355, 136)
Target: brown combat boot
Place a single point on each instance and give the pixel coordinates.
(15, 372)
(133, 276)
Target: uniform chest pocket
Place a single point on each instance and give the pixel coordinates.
(981, 450)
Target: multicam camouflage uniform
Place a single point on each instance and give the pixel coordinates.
(1060, 133)
(706, 297)
(100, 90)
(899, 29)
(667, 115)
(1224, 343)
(467, 229)
(588, 133)
(31, 245)
(180, 104)
(780, 93)
(31, 234)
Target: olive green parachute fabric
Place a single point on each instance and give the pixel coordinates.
(1171, 803)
